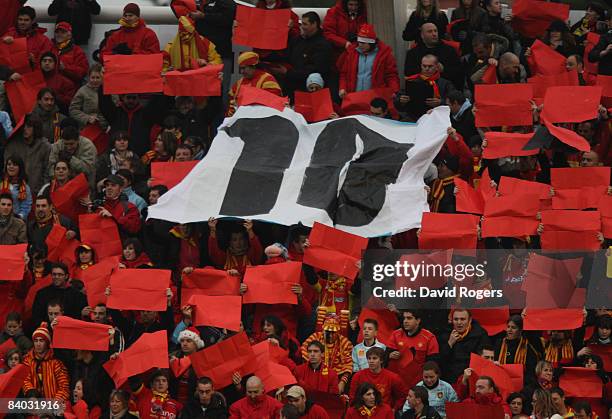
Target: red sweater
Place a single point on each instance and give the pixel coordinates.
(389, 384)
(384, 69)
(423, 344)
(314, 411)
(337, 24)
(266, 408)
(313, 380)
(150, 406)
(141, 40)
(128, 219)
(380, 412)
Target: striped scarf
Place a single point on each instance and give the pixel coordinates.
(126, 25)
(364, 411)
(6, 188)
(520, 356)
(558, 354)
(437, 191)
(187, 47)
(431, 80)
(464, 334)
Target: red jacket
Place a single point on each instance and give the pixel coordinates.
(9, 14)
(36, 39)
(151, 406)
(266, 408)
(63, 87)
(384, 70)
(75, 62)
(389, 384)
(141, 40)
(337, 24)
(381, 412)
(312, 380)
(125, 214)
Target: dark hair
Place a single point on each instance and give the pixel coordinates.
(376, 351)
(17, 161)
(122, 395)
(279, 326)
(6, 195)
(558, 391)
(161, 372)
(312, 17)
(517, 395)
(48, 54)
(432, 366)
(595, 358)
(415, 313)
(475, 140)
(126, 174)
(70, 133)
(604, 322)
(44, 91)
(363, 389)
(34, 121)
(373, 322)
(486, 348)
(162, 189)
(583, 405)
(195, 139)
(60, 265)
(456, 96)
(420, 392)
(379, 102)
(27, 10)
(95, 68)
(317, 344)
(289, 411)
(13, 316)
(491, 383)
(168, 139)
(171, 122)
(55, 302)
(517, 320)
(184, 147)
(119, 135)
(205, 380)
(135, 243)
(69, 122)
(481, 39)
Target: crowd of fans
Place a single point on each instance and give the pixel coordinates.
(322, 343)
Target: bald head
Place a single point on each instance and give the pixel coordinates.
(429, 34)
(254, 388)
(509, 66)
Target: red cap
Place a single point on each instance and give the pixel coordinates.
(63, 26)
(132, 8)
(366, 34)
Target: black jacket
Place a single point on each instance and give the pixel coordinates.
(78, 16)
(412, 31)
(457, 358)
(38, 234)
(73, 301)
(605, 62)
(132, 329)
(430, 413)
(216, 410)
(217, 24)
(446, 55)
(307, 56)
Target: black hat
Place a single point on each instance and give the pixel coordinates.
(558, 26)
(116, 179)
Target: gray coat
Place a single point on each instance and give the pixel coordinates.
(14, 232)
(82, 161)
(35, 157)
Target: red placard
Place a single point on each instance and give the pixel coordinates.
(316, 106)
(149, 351)
(70, 333)
(545, 60)
(500, 376)
(97, 277)
(221, 311)
(552, 319)
(15, 55)
(467, 198)
(531, 18)
(334, 250)
(170, 174)
(511, 186)
(503, 104)
(138, 73)
(578, 177)
(506, 144)
(209, 281)
(12, 263)
(139, 289)
(493, 319)
(12, 381)
(22, 93)
(515, 205)
(448, 231)
(541, 83)
(262, 28)
(387, 320)
(271, 284)
(581, 382)
(97, 136)
(571, 103)
(249, 95)
(203, 81)
(358, 103)
(101, 233)
(508, 226)
(570, 220)
(550, 283)
(60, 248)
(183, 7)
(66, 198)
(271, 373)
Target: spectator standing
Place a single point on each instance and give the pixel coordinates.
(73, 62)
(76, 13)
(85, 105)
(133, 37)
(427, 11)
(27, 27)
(342, 22)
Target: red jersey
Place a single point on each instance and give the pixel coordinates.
(313, 380)
(422, 344)
(389, 384)
(155, 406)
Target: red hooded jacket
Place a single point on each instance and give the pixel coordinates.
(140, 40)
(36, 39)
(337, 24)
(384, 70)
(64, 88)
(75, 62)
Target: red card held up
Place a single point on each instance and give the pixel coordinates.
(271, 284)
(12, 381)
(262, 28)
(467, 198)
(101, 233)
(77, 334)
(6, 346)
(578, 177)
(473, 411)
(138, 73)
(567, 136)
(15, 55)
(552, 319)
(97, 136)
(511, 186)
(183, 7)
(22, 93)
(170, 174)
(316, 106)
(271, 373)
(493, 319)
(509, 226)
(516, 205)
(222, 311)
(253, 96)
(60, 248)
(203, 81)
(506, 144)
(581, 382)
(97, 277)
(334, 250)
(448, 231)
(358, 103)
(570, 220)
(209, 281)
(545, 60)
(12, 263)
(571, 103)
(432, 280)
(149, 351)
(500, 376)
(387, 320)
(66, 198)
(503, 104)
(139, 289)
(531, 18)
(541, 83)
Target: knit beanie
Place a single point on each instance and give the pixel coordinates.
(132, 8)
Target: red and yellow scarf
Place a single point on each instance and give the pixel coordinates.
(437, 191)
(520, 356)
(431, 80)
(6, 188)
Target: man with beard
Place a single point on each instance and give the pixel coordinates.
(45, 219)
(243, 249)
(47, 111)
(26, 27)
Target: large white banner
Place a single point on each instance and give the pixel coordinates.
(360, 174)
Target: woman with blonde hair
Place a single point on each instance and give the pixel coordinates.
(543, 407)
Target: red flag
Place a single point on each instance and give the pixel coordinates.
(578, 177)
(316, 106)
(506, 144)
(102, 234)
(96, 135)
(541, 83)
(271, 373)
(170, 174)
(149, 351)
(70, 333)
(515, 205)
(603, 351)
(253, 96)
(509, 226)
(12, 381)
(503, 104)
(448, 231)
(262, 28)
(22, 93)
(545, 60)
(139, 289)
(138, 73)
(220, 361)
(12, 263)
(209, 281)
(571, 103)
(66, 198)
(60, 248)
(183, 7)
(334, 250)
(271, 284)
(473, 411)
(581, 382)
(467, 198)
(221, 311)
(531, 18)
(203, 81)
(15, 55)
(552, 319)
(492, 319)
(358, 103)
(500, 376)
(97, 277)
